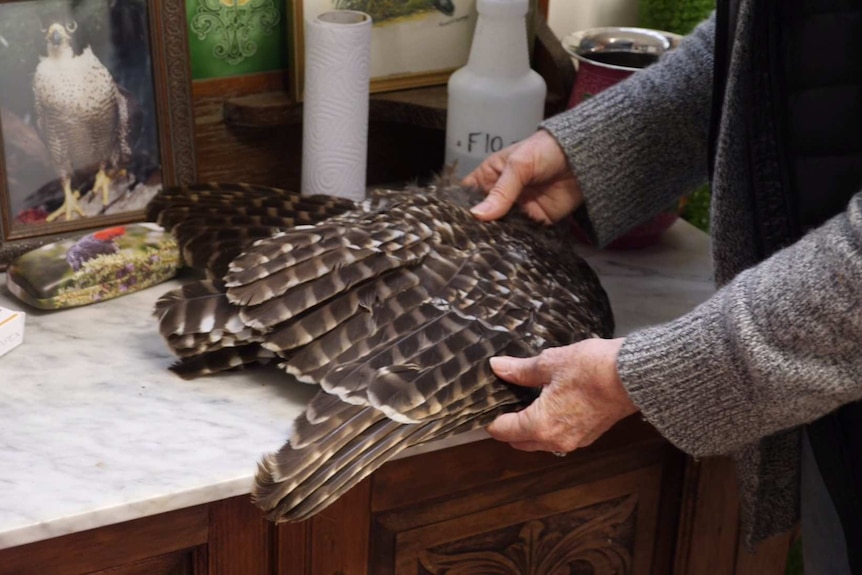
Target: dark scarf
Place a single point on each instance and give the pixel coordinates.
(805, 143)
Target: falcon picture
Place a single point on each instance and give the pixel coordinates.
(78, 90)
(383, 10)
(392, 307)
(413, 42)
(84, 117)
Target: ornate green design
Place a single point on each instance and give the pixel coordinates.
(234, 25)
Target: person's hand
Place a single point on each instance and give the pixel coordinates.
(535, 173)
(581, 398)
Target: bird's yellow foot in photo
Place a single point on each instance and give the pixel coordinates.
(70, 205)
(103, 183)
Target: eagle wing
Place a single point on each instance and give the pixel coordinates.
(392, 306)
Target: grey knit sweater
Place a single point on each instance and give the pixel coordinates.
(779, 343)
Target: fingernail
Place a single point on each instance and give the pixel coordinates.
(493, 428)
(481, 209)
(501, 364)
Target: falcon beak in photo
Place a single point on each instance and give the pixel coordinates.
(392, 307)
(60, 37)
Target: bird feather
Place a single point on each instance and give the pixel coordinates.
(392, 306)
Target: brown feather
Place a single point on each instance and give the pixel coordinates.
(393, 306)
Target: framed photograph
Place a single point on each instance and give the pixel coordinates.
(95, 114)
(413, 43)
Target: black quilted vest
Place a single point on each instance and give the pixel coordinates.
(806, 146)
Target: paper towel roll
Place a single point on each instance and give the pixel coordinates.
(335, 108)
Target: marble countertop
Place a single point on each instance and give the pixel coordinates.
(95, 430)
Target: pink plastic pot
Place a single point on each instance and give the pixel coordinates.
(603, 57)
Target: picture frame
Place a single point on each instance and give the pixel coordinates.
(408, 50)
(108, 138)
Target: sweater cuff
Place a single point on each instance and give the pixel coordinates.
(687, 397)
(618, 195)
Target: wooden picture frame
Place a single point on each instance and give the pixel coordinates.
(407, 51)
(53, 141)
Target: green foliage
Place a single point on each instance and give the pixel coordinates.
(678, 16)
(696, 209)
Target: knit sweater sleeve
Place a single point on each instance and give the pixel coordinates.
(654, 126)
(775, 348)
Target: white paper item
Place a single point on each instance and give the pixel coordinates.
(11, 329)
(335, 104)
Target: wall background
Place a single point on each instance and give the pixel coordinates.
(566, 16)
(235, 37)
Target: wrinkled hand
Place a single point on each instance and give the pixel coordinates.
(581, 398)
(535, 173)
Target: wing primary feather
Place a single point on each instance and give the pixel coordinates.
(224, 359)
(359, 458)
(288, 468)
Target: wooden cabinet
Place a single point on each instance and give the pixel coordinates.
(607, 527)
(629, 504)
(485, 508)
(172, 543)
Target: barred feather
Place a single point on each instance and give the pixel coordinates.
(393, 306)
(233, 216)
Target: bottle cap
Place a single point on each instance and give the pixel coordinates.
(503, 7)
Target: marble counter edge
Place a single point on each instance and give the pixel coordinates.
(126, 511)
(209, 493)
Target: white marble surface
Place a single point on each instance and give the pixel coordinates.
(94, 430)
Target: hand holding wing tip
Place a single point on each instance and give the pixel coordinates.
(582, 397)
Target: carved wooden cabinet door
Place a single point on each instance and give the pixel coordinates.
(601, 528)
(495, 511)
